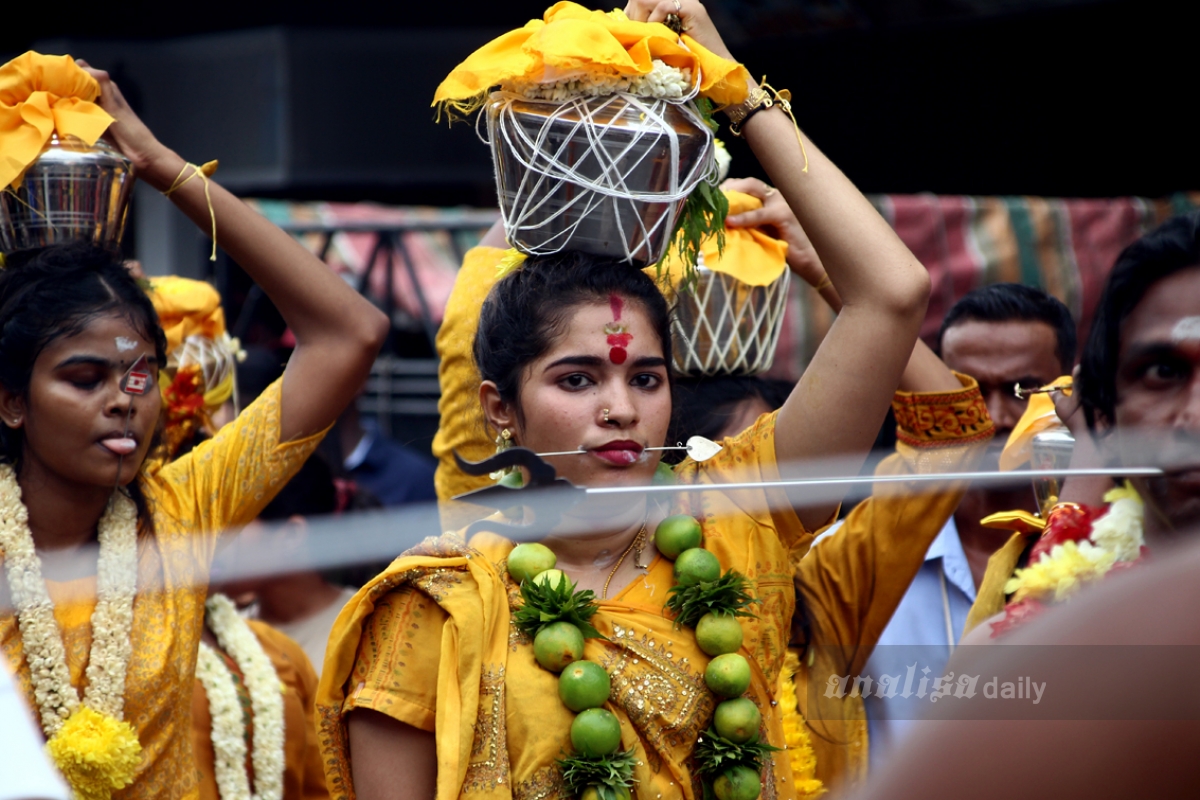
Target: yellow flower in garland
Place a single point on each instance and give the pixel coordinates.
(1064, 570)
(799, 745)
(95, 753)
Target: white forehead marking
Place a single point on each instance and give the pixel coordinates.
(125, 345)
(1187, 328)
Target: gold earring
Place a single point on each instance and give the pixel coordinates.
(504, 440)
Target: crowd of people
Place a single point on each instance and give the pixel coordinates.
(702, 624)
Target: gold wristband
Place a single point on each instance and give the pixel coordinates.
(759, 99)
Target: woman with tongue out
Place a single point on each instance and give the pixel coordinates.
(105, 563)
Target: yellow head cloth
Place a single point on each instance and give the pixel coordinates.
(41, 95)
(186, 308)
(199, 353)
(1039, 416)
(572, 40)
(750, 255)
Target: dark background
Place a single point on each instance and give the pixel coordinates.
(1049, 97)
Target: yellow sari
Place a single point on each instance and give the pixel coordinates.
(429, 643)
(224, 482)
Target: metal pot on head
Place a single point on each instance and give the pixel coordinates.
(72, 192)
(602, 175)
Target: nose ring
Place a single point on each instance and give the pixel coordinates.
(606, 419)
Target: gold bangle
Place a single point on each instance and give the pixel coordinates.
(765, 96)
(824, 284)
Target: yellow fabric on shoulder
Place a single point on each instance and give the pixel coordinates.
(224, 482)
(851, 582)
(750, 255)
(303, 775)
(1039, 416)
(571, 39)
(462, 426)
(990, 597)
(41, 95)
(429, 643)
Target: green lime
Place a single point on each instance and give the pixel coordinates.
(718, 634)
(664, 474)
(737, 720)
(557, 645)
(676, 534)
(527, 560)
(513, 480)
(551, 577)
(583, 685)
(737, 783)
(696, 565)
(593, 793)
(727, 675)
(596, 732)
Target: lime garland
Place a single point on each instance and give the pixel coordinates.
(729, 755)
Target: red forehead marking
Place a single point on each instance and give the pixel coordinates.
(617, 355)
(617, 305)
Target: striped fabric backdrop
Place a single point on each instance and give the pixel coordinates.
(1064, 246)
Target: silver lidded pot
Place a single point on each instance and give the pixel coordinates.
(72, 192)
(550, 156)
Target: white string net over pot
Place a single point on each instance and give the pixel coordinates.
(726, 327)
(72, 192)
(603, 175)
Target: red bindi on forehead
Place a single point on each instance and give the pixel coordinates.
(617, 332)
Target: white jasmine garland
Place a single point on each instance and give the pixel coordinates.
(663, 82)
(1120, 530)
(112, 620)
(228, 726)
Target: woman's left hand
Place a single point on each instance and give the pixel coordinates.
(696, 22)
(128, 131)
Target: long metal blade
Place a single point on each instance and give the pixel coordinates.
(1012, 476)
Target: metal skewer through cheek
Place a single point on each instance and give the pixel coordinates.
(699, 448)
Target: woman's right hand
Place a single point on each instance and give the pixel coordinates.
(696, 22)
(128, 131)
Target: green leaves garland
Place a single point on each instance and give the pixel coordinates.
(556, 601)
(726, 595)
(703, 215)
(607, 774)
(714, 754)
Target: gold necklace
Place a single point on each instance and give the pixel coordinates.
(638, 542)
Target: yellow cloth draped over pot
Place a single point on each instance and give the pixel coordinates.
(186, 308)
(41, 95)
(1039, 416)
(189, 308)
(750, 255)
(571, 39)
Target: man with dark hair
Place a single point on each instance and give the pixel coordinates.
(1005, 336)
(1139, 386)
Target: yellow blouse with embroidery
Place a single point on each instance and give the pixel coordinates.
(429, 643)
(224, 482)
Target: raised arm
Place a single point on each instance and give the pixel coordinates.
(338, 332)
(925, 371)
(842, 398)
